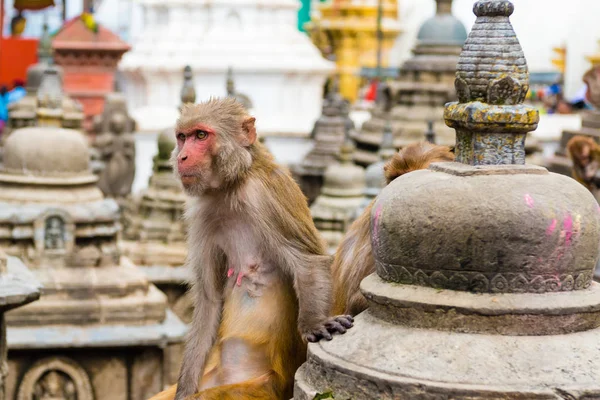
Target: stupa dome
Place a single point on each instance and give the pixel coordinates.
(47, 153)
(166, 144)
(442, 29)
(346, 178)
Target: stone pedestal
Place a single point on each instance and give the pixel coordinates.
(18, 287)
(483, 286)
(275, 65)
(89, 59)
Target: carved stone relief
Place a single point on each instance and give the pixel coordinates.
(55, 378)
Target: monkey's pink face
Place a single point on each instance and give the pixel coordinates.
(195, 151)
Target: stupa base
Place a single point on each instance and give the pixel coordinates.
(381, 360)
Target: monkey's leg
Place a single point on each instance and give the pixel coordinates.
(264, 387)
(168, 394)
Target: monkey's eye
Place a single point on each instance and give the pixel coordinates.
(201, 135)
(181, 136)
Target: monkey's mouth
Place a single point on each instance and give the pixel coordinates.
(188, 179)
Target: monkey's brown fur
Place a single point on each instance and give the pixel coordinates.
(247, 217)
(354, 259)
(582, 149)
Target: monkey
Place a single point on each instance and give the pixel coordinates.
(585, 155)
(354, 259)
(262, 280)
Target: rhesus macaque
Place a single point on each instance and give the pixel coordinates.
(262, 282)
(585, 154)
(354, 258)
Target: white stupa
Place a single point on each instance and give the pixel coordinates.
(274, 64)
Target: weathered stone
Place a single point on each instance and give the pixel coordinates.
(342, 194)
(154, 229)
(329, 133)
(483, 287)
(95, 301)
(231, 92)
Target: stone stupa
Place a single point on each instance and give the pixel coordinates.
(101, 330)
(374, 174)
(424, 86)
(342, 193)
(483, 290)
(329, 133)
(155, 234)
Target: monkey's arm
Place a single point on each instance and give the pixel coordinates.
(205, 322)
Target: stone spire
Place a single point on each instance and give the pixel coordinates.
(44, 51)
(490, 119)
(50, 99)
(188, 91)
(231, 92)
(430, 133)
(444, 7)
(496, 261)
(342, 193)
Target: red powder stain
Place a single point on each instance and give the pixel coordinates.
(551, 227)
(529, 200)
(568, 228)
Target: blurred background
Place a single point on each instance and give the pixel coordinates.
(90, 216)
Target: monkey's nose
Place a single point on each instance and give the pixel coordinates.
(183, 158)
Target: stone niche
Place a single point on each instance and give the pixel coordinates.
(101, 330)
(483, 286)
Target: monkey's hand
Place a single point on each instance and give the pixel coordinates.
(324, 329)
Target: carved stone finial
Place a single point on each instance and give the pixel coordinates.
(50, 99)
(444, 7)
(430, 133)
(188, 91)
(44, 51)
(491, 82)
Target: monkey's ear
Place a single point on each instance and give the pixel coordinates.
(249, 131)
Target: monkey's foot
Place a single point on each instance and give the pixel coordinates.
(331, 325)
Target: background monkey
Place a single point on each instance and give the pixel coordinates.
(262, 277)
(585, 154)
(354, 258)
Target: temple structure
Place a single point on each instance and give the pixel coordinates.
(329, 133)
(101, 330)
(424, 86)
(155, 234)
(374, 175)
(18, 287)
(342, 193)
(484, 310)
(89, 58)
(240, 97)
(155, 238)
(273, 61)
(590, 123)
(346, 30)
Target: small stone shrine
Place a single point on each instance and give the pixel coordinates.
(101, 331)
(424, 86)
(483, 286)
(114, 148)
(231, 92)
(342, 193)
(155, 237)
(590, 125)
(329, 134)
(375, 176)
(23, 112)
(18, 287)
